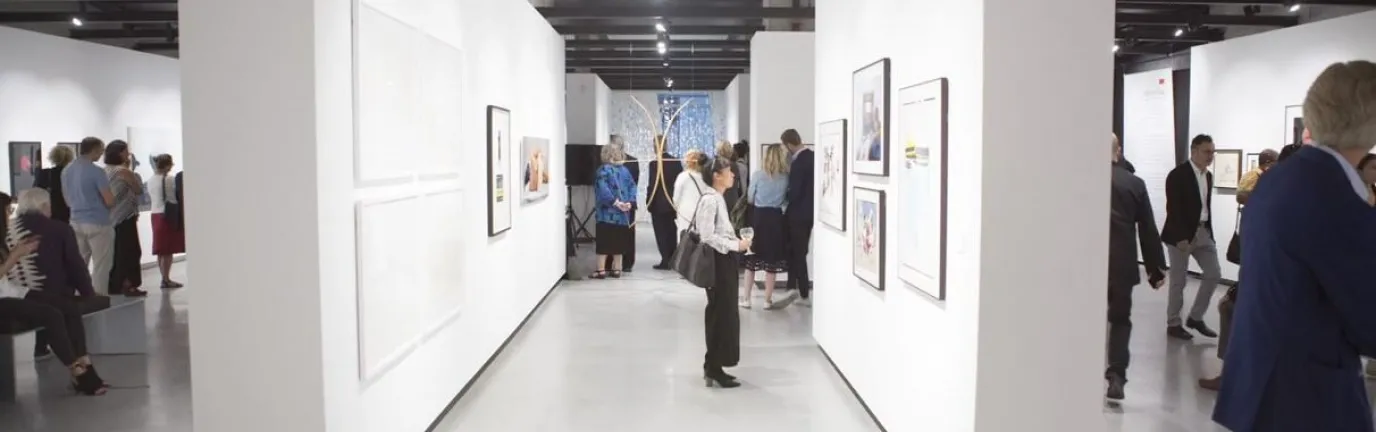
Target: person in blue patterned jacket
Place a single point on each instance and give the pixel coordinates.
(615, 209)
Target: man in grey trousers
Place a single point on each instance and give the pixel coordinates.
(1189, 232)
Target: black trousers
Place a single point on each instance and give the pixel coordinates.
(721, 319)
(666, 234)
(59, 317)
(126, 268)
(1119, 329)
(799, 236)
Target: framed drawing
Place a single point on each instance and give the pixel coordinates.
(870, 112)
(1252, 162)
(26, 161)
(922, 128)
(498, 170)
(869, 237)
(1293, 128)
(535, 169)
(831, 151)
(1227, 168)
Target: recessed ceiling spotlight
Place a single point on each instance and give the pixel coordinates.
(1179, 32)
(666, 64)
(77, 22)
(1115, 47)
(1295, 7)
(663, 48)
(659, 27)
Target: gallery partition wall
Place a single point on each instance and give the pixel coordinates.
(418, 144)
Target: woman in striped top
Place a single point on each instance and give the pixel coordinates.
(126, 274)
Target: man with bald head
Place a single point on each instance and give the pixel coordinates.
(1130, 224)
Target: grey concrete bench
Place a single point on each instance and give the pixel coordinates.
(117, 327)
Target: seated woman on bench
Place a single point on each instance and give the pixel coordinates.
(22, 293)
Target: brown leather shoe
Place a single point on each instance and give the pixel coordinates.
(1211, 383)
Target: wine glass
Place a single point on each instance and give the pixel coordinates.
(748, 234)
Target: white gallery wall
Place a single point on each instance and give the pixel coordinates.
(1149, 132)
(55, 89)
(585, 101)
(322, 257)
(782, 72)
(738, 109)
(977, 361)
(1240, 88)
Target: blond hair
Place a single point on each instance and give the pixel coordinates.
(612, 153)
(690, 160)
(724, 150)
(1340, 109)
(775, 160)
(61, 155)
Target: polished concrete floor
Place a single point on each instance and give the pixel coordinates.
(628, 353)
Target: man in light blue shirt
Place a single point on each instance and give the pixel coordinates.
(87, 190)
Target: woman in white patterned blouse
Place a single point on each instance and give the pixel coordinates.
(712, 222)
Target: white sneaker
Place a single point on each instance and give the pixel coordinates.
(745, 304)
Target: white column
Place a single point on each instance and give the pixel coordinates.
(738, 108)
(1027, 190)
(585, 105)
(267, 122)
(781, 94)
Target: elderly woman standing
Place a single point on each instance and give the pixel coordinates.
(722, 322)
(126, 273)
(614, 208)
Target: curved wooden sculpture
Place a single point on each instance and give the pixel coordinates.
(659, 145)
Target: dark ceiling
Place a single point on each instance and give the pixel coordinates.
(707, 41)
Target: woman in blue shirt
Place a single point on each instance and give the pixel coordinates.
(615, 214)
(767, 191)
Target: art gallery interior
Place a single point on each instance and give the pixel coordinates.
(381, 221)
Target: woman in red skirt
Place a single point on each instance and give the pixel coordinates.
(168, 236)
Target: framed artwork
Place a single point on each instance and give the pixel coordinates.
(26, 161)
(498, 170)
(534, 169)
(1252, 162)
(869, 237)
(831, 152)
(870, 112)
(922, 128)
(1293, 127)
(1227, 168)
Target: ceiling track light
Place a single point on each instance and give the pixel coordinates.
(1295, 7)
(659, 27)
(1179, 32)
(76, 21)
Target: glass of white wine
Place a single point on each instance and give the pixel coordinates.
(748, 234)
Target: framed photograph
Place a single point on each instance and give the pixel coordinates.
(26, 161)
(498, 170)
(534, 169)
(869, 236)
(922, 129)
(1227, 168)
(870, 112)
(1252, 162)
(831, 156)
(1293, 128)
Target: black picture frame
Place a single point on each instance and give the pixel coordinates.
(878, 280)
(878, 168)
(21, 177)
(493, 179)
(943, 207)
(843, 155)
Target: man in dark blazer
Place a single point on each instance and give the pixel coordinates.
(798, 214)
(1130, 223)
(1189, 232)
(659, 200)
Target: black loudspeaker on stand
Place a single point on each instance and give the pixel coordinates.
(580, 168)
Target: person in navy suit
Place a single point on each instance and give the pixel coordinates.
(1304, 318)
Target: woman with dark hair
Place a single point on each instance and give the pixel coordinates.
(50, 179)
(712, 223)
(126, 273)
(168, 237)
(23, 299)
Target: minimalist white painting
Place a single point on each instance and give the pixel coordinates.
(499, 184)
(922, 186)
(1227, 168)
(830, 153)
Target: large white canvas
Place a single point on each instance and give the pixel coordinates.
(409, 102)
(831, 161)
(408, 280)
(499, 181)
(921, 186)
(534, 169)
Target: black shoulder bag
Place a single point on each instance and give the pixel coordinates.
(693, 259)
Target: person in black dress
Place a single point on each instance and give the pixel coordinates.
(50, 179)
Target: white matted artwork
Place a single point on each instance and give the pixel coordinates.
(1227, 168)
(869, 237)
(831, 156)
(534, 169)
(408, 284)
(922, 129)
(408, 102)
(870, 114)
(498, 170)
(1253, 162)
(1292, 130)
